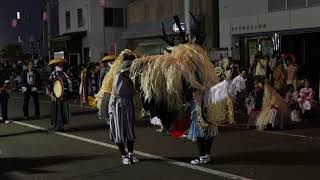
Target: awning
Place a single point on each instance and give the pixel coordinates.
(69, 36)
(150, 29)
(60, 38)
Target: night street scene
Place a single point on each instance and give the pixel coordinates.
(159, 89)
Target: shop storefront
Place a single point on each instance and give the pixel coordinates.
(245, 47)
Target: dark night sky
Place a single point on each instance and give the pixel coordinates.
(8, 9)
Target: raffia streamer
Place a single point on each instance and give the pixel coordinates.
(271, 97)
(161, 79)
(108, 79)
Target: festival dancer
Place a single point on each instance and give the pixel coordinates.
(202, 136)
(106, 63)
(122, 111)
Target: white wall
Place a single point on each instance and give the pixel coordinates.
(236, 8)
(99, 38)
(251, 17)
(95, 33)
(305, 18)
(72, 6)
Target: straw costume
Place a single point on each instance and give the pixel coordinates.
(180, 81)
(103, 96)
(274, 111)
(117, 94)
(183, 80)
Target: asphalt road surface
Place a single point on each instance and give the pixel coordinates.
(84, 151)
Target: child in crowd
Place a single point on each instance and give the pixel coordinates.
(250, 103)
(306, 100)
(292, 97)
(254, 102)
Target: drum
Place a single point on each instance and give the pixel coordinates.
(65, 88)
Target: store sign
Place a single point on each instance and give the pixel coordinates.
(218, 55)
(58, 54)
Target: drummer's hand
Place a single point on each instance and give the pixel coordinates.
(24, 89)
(34, 89)
(48, 92)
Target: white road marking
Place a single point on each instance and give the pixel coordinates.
(279, 133)
(292, 135)
(140, 153)
(48, 102)
(266, 132)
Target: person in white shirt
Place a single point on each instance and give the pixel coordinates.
(30, 85)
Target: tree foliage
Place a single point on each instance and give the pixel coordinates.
(11, 51)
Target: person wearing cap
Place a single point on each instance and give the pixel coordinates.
(30, 79)
(107, 63)
(60, 114)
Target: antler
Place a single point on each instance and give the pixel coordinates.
(200, 36)
(165, 37)
(182, 33)
(169, 51)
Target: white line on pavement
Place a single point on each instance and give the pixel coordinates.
(48, 102)
(292, 135)
(281, 133)
(266, 132)
(140, 153)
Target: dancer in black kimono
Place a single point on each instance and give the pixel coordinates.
(122, 111)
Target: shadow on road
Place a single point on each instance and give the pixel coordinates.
(22, 133)
(34, 165)
(272, 157)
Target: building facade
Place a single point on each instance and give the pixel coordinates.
(90, 28)
(270, 26)
(22, 23)
(145, 17)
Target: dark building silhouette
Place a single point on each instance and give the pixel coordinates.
(30, 31)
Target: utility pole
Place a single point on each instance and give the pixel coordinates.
(49, 28)
(43, 38)
(187, 17)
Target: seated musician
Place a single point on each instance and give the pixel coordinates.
(60, 114)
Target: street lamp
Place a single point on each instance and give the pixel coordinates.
(18, 15)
